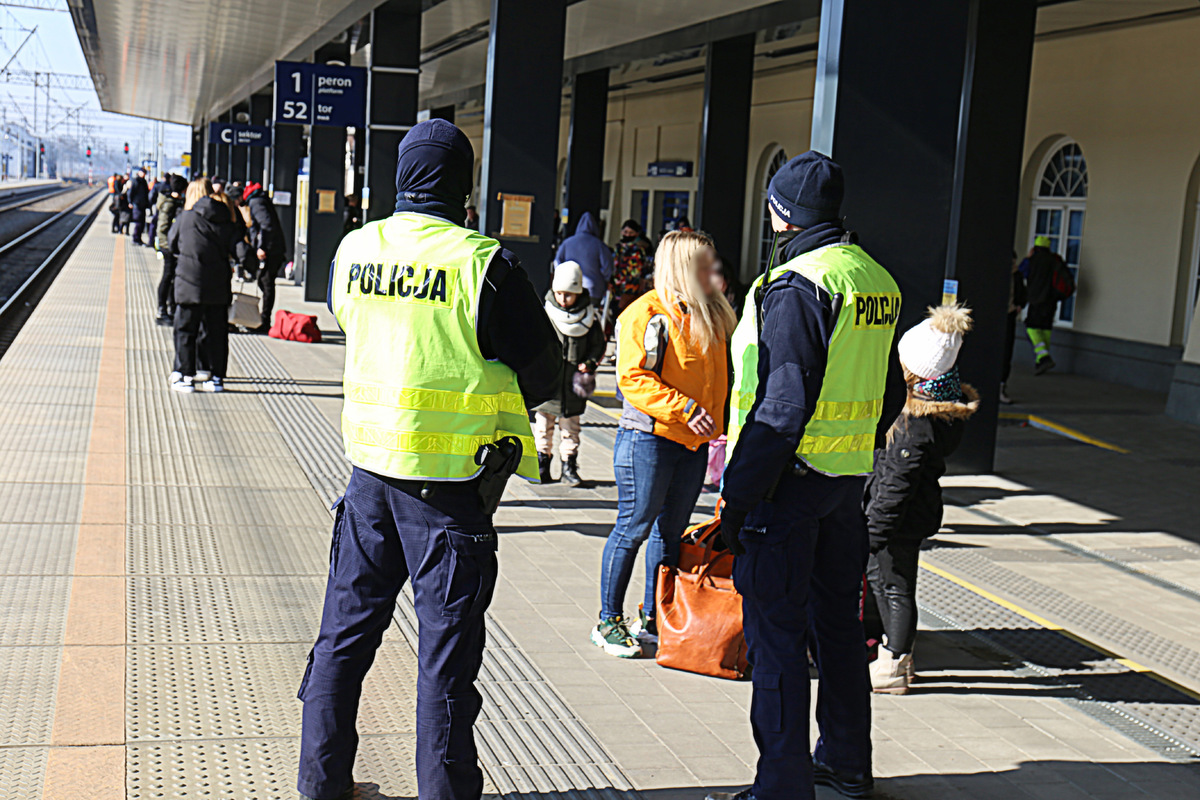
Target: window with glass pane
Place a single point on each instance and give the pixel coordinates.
(1059, 209)
(766, 233)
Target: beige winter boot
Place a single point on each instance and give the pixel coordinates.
(891, 673)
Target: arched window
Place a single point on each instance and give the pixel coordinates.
(772, 161)
(1058, 210)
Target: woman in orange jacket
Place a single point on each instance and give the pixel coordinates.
(672, 372)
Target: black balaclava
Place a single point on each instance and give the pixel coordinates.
(434, 172)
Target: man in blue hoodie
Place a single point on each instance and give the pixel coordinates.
(588, 250)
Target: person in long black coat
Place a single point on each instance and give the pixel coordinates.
(266, 237)
(903, 494)
(139, 200)
(201, 239)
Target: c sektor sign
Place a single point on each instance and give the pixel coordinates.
(320, 94)
(237, 133)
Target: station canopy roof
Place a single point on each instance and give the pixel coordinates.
(189, 60)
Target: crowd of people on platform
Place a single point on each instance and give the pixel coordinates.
(205, 233)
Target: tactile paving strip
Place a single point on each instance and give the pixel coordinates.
(1149, 647)
(27, 549)
(22, 772)
(530, 742)
(27, 694)
(1143, 709)
(199, 609)
(210, 550)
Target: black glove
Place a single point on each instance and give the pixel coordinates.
(732, 520)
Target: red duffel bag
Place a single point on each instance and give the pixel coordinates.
(293, 327)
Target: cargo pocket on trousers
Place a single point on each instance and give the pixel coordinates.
(462, 708)
(767, 706)
(307, 675)
(339, 514)
(470, 561)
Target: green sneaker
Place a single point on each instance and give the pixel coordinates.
(614, 637)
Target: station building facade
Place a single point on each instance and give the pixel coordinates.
(1111, 174)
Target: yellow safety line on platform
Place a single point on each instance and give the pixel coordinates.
(86, 760)
(603, 410)
(1054, 427)
(1037, 619)
(604, 393)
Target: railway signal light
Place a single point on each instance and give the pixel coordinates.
(127, 148)
(42, 149)
(89, 152)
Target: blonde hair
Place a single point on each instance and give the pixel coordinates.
(710, 317)
(201, 187)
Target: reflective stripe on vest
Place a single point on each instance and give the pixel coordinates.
(420, 398)
(840, 436)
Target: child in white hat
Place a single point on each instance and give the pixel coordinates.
(904, 498)
(577, 324)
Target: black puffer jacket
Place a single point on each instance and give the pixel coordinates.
(904, 498)
(586, 347)
(200, 239)
(266, 233)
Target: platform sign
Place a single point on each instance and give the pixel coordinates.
(320, 94)
(237, 133)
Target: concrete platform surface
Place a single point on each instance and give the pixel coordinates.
(162, 560)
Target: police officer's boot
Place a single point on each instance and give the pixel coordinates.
(544, 460)
(570, 472)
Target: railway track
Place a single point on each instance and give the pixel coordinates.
(30, 260)
(20, 198)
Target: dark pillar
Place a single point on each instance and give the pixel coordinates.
(240, 156)
(197, 153)
(392, 103)
(523, 103)
(286, 152)
(924, 107)
(442, 112)
(224, 152)
(585, 144)
(210, 152)
(262, 107)
(326, 178)
(724, 145)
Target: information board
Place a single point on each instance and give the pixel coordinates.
(237, 133)
(320, 94)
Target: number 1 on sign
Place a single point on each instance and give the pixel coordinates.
(296, 78)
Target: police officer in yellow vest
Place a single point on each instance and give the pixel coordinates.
(446, 346)
(810, 360)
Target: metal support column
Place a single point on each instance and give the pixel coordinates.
(924, 107)
(287, 151)
(224, 152)
(585, 145)
(523, 104)
(210, 151)
(239, 156)
(326, 189)
(392, 99)
(197, 153)
(262, 107)
(724, 143)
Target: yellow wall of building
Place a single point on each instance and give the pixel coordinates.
(1127, 96)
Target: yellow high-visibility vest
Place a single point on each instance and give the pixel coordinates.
(420, 398)
(840, 437)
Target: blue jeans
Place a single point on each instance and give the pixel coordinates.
(658, 482)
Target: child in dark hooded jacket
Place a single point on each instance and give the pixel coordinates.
(903, 496)
(577, 323)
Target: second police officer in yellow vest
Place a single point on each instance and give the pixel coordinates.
(446, 347)
(810, 358)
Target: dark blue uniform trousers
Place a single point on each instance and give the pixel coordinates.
(385, 534)
(800, 582)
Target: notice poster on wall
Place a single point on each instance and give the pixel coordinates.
(516, 215)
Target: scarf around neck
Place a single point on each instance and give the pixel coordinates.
(945, 388)
(574, 321)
